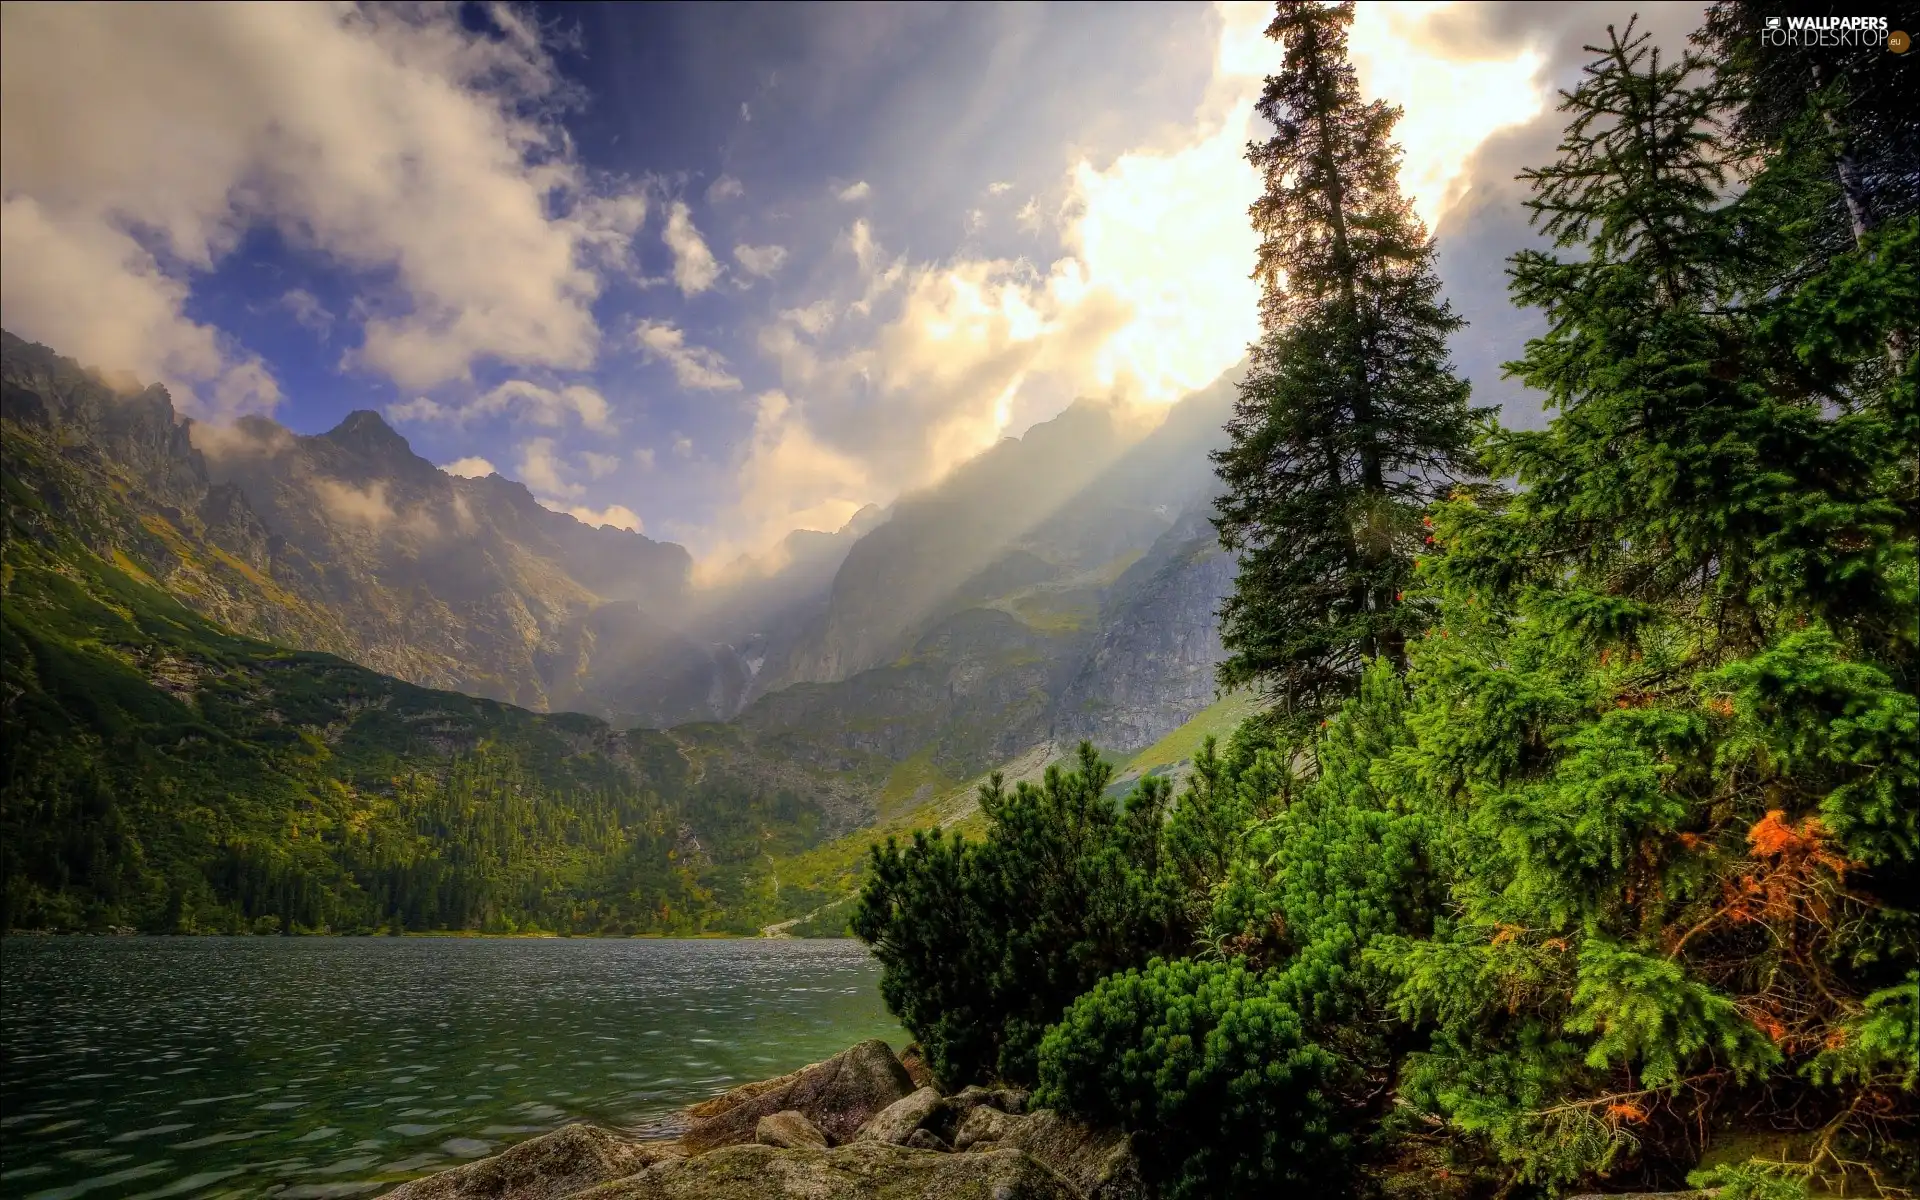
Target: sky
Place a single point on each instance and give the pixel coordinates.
(714, 272)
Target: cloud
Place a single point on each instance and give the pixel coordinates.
(693, 366)
(762, 261)
(308, 312)
(521, 399)
(1451, 99)
(1148, 298)
(542, 471)
(682, 447)
(254, 437)
(643, 458)
(422, 408)
(362, 506)
(999, 187)
(617, 515)
(142, 145)
(855, 191)
(694, 268)
(789, 479)
(599, 465)
(724, 189)
(79, 282)
(812, 319)
(471, 467)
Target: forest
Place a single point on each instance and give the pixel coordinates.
(1575, 843)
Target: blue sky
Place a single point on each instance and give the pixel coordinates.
(712, 271)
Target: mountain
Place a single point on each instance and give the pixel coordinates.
(1060, 586)
(161, 772)
(349, 542)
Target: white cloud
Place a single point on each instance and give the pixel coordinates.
(694, 267)
(523, 400)
(1029, 215)
(617, 515)
(724, 189)
(364, 506)
(759, 260)
(599, 465)
(789, 479)
(999, 187)
(812, 319)
(542, 471)
(308, 312)
(395, 142)
(693, 366)
(1449, 104)
(421, 408)
(855, 191)
(471, 467)
(547, 406)
(643, 458)
(683, 447)
(84, 286)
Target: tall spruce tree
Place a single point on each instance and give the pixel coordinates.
(1351, 420)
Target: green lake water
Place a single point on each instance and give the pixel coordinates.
(317, 1067)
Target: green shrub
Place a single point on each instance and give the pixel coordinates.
(984, 945)
(1213, 1064)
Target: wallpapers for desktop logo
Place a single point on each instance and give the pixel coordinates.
(1834, 33)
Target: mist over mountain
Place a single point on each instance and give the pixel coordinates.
(1060, 586)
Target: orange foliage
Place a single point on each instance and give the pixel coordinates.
(1798, 849)
(1627, 1110)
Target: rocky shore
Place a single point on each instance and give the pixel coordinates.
(863, 1125)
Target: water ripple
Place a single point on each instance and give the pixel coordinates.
(311, 1067)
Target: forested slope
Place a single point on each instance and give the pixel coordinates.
(164, 773)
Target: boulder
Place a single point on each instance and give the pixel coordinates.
(789, 1129)
(896, 1122)
(733, 1098)
(1101, 1163)
(568, 1160)
(1007, 1100)
(926, 1139)
(984, 1123)
(838, 1096)
(917, 1067)
(861, 1171)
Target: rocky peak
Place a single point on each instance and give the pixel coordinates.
(365, 435)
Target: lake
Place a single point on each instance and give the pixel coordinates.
(318, 1067)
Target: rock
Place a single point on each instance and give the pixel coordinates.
(983, 1124)
(561, 1163)
(897, 1122)
(918, 1069)
(927, 1139)
(861, 1171)
(789, 1129)
(1101, 1163)
(708, 1109)
(839, 1096)
(1007, 1100)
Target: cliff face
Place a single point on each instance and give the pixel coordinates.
(1151, 666)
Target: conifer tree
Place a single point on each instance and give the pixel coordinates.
(1351, 419)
